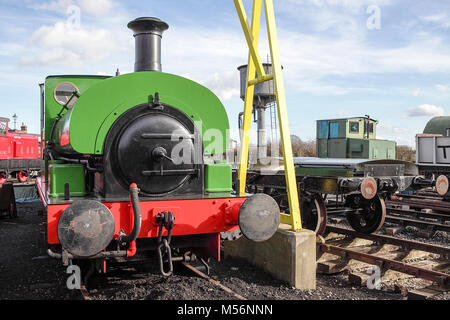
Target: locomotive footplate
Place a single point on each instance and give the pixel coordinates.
(163, 224)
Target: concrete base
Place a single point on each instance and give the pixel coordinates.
(288, 256)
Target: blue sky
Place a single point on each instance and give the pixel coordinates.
(337, 62)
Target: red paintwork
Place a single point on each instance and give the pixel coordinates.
(198, 216)
(22, 176)
(18, 146)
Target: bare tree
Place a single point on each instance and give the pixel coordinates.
(406, 153)
(300, 148)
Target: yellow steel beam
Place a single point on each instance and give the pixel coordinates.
(285, 218)
(249, 92)
(254, 64)
(289, 169)
(260, 80)
(250, 35)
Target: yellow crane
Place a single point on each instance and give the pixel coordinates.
(256, 67)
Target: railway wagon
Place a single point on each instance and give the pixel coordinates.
(129, 166)
(357, 186)
(433, 153)
(433, 147)
(19, 154)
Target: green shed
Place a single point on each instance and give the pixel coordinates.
(352, 138)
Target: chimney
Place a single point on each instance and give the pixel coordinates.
(23, 128)
(148, 34)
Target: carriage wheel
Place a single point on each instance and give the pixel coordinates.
(314, 213)
(3, 178)
(371, 216)
(22, 176)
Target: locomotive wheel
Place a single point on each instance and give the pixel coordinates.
(314, 213)
(22, 176)
(371, 216)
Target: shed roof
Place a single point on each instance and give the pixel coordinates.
(348, 119)
(437, 125)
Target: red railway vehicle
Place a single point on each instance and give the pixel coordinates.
(19, 153)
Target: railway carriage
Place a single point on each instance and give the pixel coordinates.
(19, 154)
(357, 186)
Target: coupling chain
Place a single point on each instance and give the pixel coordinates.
(165, 220)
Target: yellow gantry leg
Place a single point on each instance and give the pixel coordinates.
(252, 36)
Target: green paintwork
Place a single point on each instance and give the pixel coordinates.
(218, 177)
(438, 125)
(89, 121)
(382, 149)
(52, 108)
(60, 174)
(350, 140)
(356, 148)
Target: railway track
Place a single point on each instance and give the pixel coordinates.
(420, 211)
(428, 220)
(420, 202)
(196, 272)
(428, 225)
(215, 282)
(429, 262)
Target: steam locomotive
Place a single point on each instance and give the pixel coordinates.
(131, 165)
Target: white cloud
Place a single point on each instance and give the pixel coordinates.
(392, 130)
(441, 19)
(343, 113)
(63, 45)
(402, 135)
(57, 5)
(346, 4)
(210, 57)
(443, 88)
(10, 49)
(225, 85)
(96, 8)
(425, 110)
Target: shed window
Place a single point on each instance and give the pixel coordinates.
(368, 126)
(323, 130)
(334, 130)
(447, 132)
(354, 127)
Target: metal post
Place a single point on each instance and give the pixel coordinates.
(255, 63)
(248, 104)
(262, 137)
(42, 144)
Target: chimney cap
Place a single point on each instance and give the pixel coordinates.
(148, 24)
